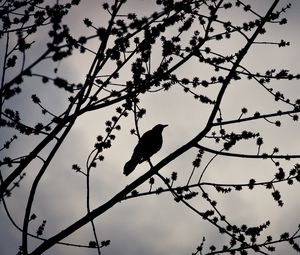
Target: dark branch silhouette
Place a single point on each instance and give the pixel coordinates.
(180, 47)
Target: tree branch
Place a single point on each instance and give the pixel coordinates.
(239, 155)
(279, 113)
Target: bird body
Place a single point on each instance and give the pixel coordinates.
(148, 145)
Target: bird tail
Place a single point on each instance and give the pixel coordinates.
(130, 166)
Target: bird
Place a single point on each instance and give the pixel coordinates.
(149, 144)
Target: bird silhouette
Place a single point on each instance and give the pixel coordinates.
(149, 144)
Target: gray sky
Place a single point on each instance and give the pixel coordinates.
(157, 224)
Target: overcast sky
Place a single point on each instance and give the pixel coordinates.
(157, 225)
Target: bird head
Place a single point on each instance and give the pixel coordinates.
(160, 127)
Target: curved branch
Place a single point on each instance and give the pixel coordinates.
(35, 185)
(279, 113)
(239, 155)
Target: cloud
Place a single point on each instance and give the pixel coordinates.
(157, 224)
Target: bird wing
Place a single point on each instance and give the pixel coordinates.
(149, 144)
(139, 150)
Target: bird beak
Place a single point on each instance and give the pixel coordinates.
(165, 126)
